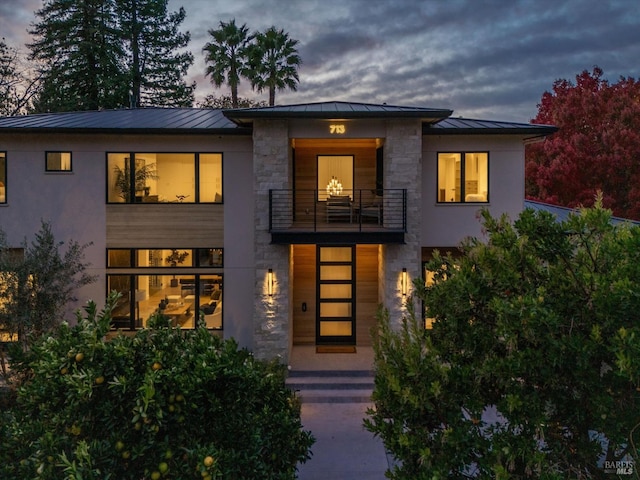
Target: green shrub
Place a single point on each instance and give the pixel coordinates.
(532, 368)
(163, 403)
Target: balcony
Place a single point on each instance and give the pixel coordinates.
(353, 216)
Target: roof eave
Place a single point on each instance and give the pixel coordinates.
(131, 131)
(538, 131)
(246, 118)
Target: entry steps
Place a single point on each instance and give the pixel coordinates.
(332, 386)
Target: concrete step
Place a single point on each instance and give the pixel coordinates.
(332, 386)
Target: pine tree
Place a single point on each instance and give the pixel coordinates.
(101, 54)
(154, 61)
(77, 45)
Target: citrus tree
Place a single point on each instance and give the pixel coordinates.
(164, 403)
(532, 367)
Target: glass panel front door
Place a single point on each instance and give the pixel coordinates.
(335, 323)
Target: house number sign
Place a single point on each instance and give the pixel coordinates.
(337, 129)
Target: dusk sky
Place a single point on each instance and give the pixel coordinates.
(489, 59)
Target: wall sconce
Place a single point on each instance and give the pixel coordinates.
(403, 282)
(270, 282)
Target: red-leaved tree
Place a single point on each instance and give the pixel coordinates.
(596, 149)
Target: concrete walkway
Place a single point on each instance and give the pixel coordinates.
(344, 450)
(334, 405)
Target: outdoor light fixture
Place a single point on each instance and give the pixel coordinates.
(270, 282)
(404, 282)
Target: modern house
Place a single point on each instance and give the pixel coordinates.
(279, 226)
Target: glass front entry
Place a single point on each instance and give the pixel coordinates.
(335, 316)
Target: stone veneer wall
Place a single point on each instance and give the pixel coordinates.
(271, 170)
(402, 169)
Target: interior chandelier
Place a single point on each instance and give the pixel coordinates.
(334, 187)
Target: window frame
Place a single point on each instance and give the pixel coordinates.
(196, 176)
(129, 304)
(463, 158)
(129, 269)
(3, 178)
(322, 193)
(196, 254)
(58, 170)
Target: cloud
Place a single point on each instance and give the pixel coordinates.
(482, 58)
(16, 17)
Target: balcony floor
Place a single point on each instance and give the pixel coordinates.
(336, 233)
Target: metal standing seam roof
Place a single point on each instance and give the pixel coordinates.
(139, 120)
(238, 121)
(460, 126)
(562, 213)
(338, 110)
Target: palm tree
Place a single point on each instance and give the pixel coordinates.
(227, 56)
(273, 62)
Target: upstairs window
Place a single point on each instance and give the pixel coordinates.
(3, 177)
(58, 162)
(335, 176)
(164, 178)
(463, 177)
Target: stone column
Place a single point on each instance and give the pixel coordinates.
(271, 170)
(403, 169)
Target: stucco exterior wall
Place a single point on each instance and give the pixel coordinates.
(75, 204)
(446, 224)
(239, 252)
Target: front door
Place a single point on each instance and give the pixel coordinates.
(335, 315)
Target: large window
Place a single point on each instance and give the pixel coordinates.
(58, 161)
(164, 177)
(335, 176)
(463, 177)
(3, 177)
(188, 295)
(9, 285)
(164, 257)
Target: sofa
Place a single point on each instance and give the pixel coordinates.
(212, 311)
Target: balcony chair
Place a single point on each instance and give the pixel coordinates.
(339, 206)
(372, 210)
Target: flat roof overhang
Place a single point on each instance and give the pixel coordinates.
(336, 110)
(336, 238)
